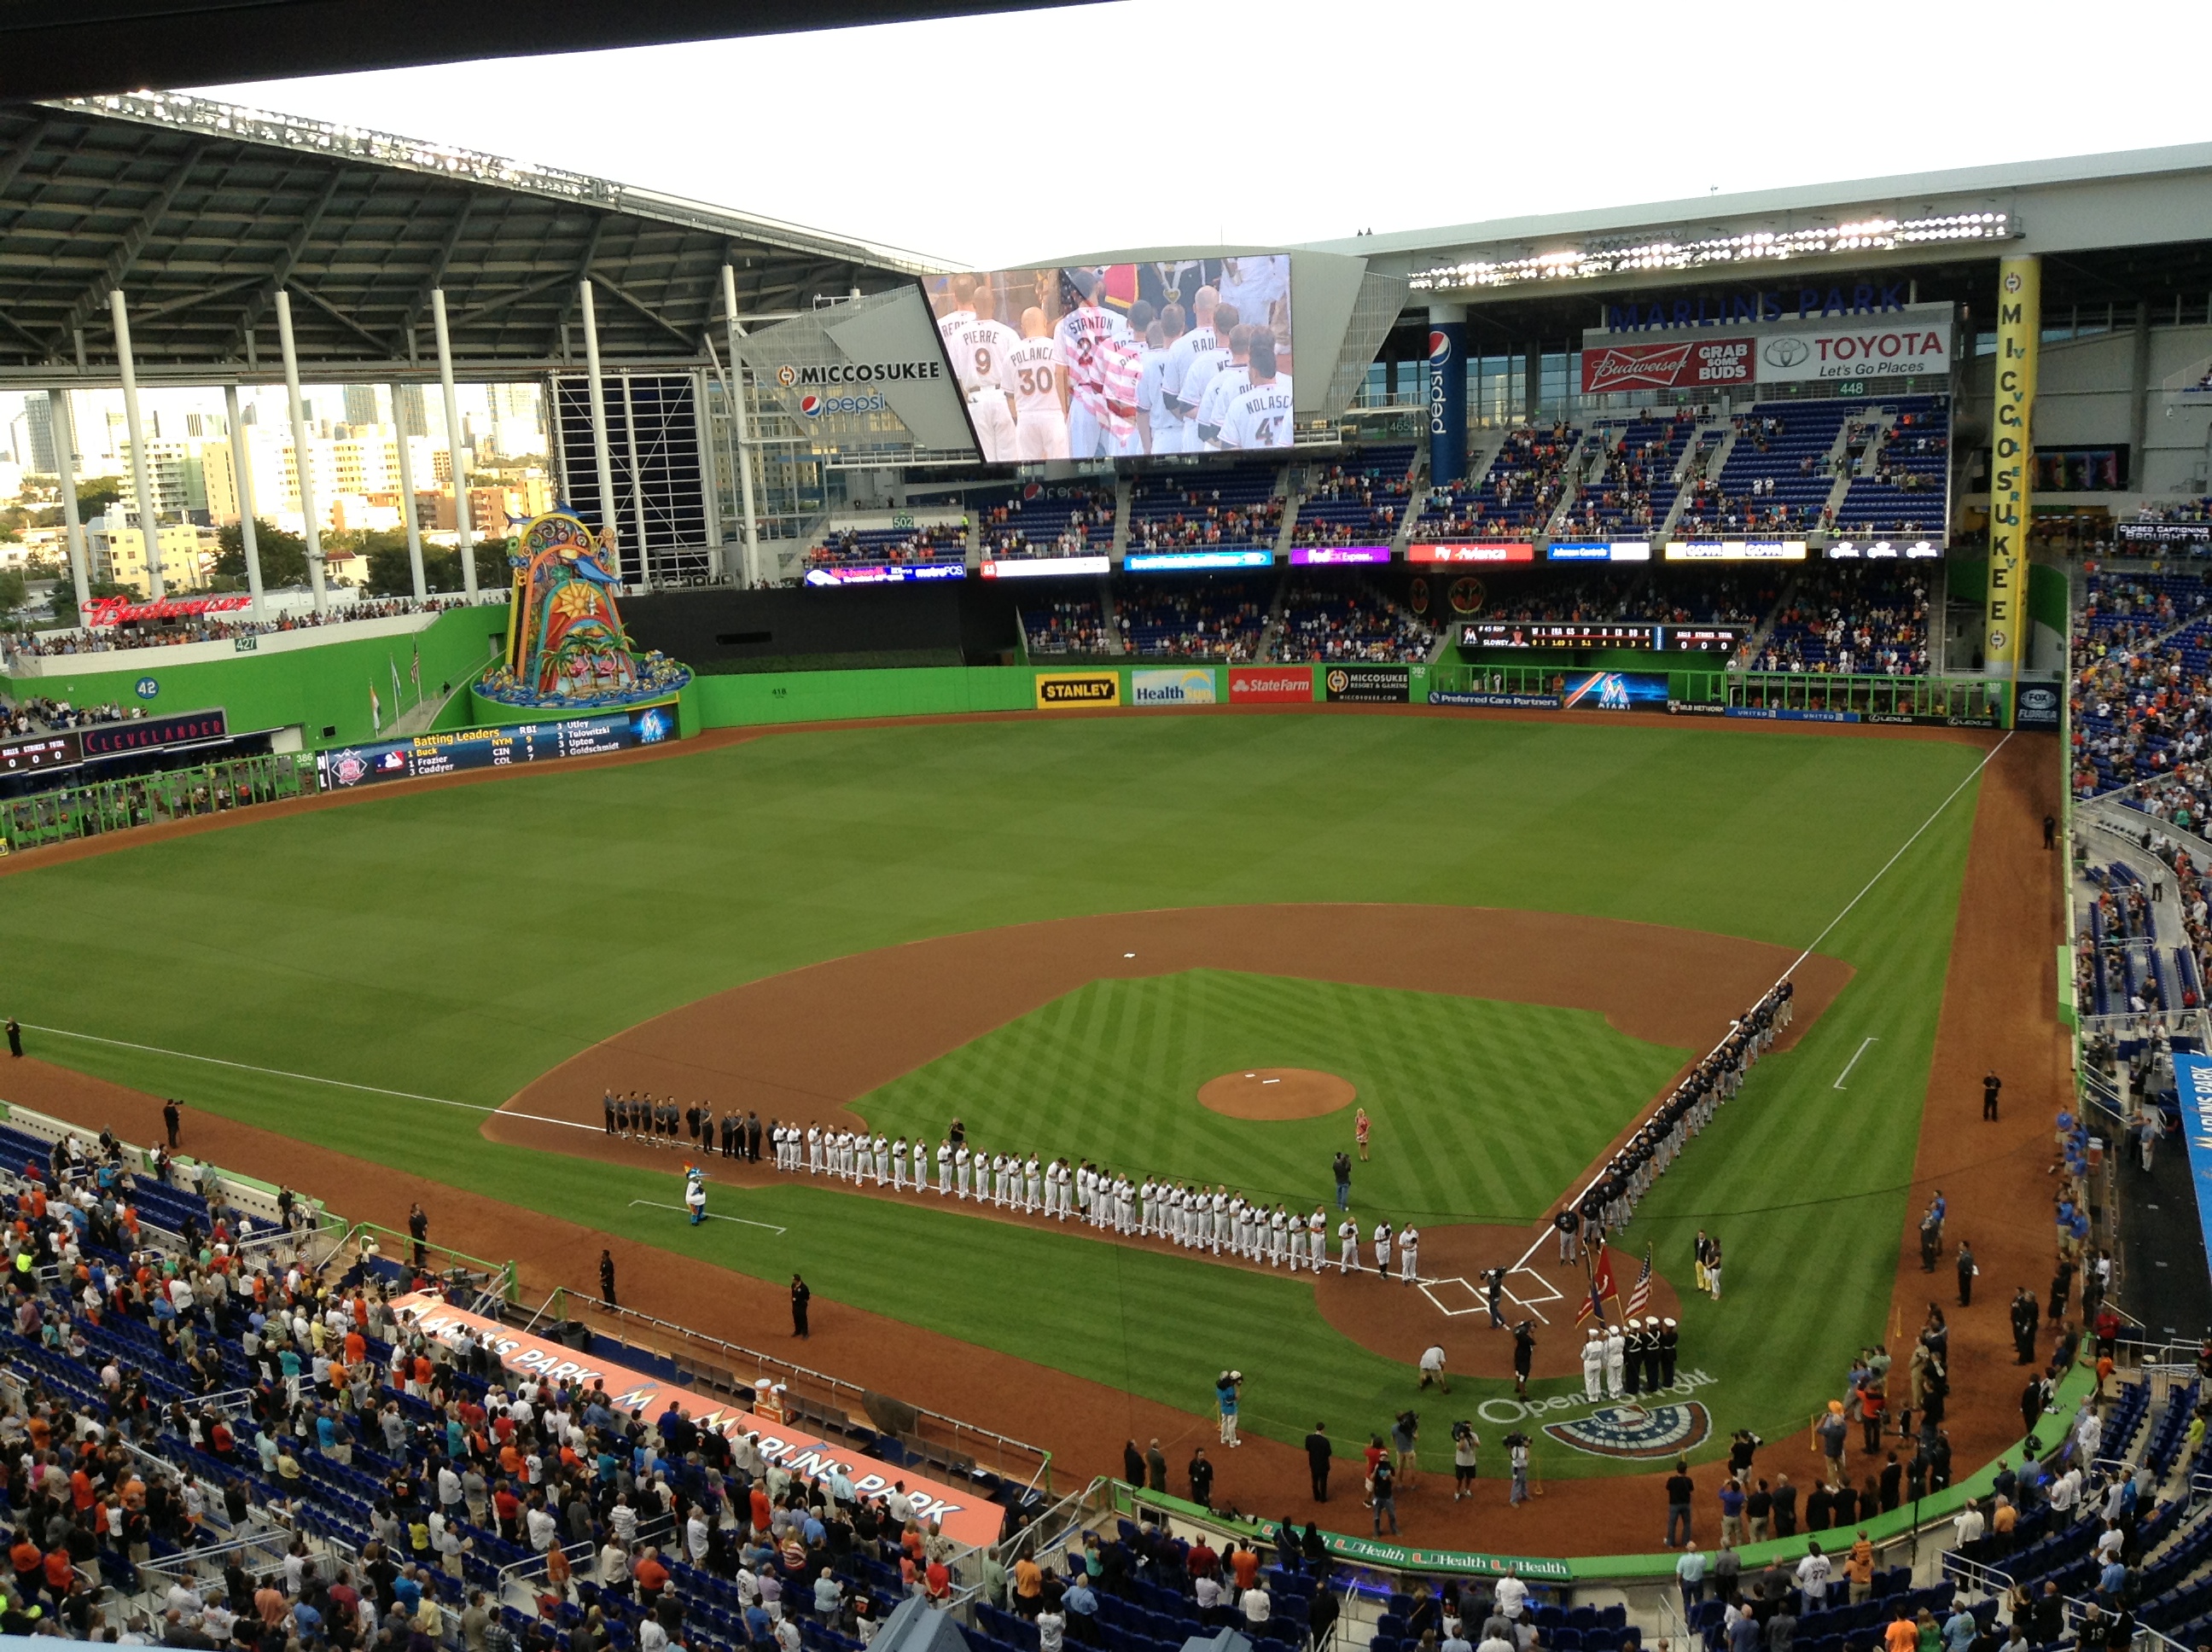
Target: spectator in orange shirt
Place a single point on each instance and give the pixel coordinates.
(1903, 1634)
(1858, 1569)
(59, 1573)
(651, 1578)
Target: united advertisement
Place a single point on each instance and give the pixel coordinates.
(966, 1517)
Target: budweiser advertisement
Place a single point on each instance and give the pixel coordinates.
(1271, 685)
(1680, 364)
(1844, 341)
(966, 1516)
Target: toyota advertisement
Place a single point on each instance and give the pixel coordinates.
(1912, 341)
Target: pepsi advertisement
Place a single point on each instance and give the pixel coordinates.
(506, 746)
(1447, 401)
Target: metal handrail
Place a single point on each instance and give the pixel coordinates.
(836, 1387)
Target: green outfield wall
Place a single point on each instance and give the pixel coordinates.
(314, 687)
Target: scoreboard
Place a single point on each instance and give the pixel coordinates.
(508, 745)
(1706, 639)
(1574, 633)
(1556, 633)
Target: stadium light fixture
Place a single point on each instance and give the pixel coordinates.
(1607, 256)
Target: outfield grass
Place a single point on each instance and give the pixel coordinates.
(1485, 1109)
(457, 943)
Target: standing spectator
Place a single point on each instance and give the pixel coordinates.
(1690, 1573)
(1155, 1467)
(15, 1037)
(1319, 1452)
(418, 1229)
(173, 1116)
(1384, 1488)
(607, 1277)
(1680, 1488)
(800, 1296)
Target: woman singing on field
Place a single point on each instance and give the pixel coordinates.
(1360, 1128)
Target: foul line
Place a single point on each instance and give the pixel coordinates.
(1854, 1061)
(300, 1077)
(1973, 775)
(685, 1210)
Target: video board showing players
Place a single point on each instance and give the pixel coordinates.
(1119, 360)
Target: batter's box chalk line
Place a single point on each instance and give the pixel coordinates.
(685, 1210)
(1430, 1288)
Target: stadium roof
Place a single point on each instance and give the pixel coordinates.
(68, 48)
(2086, 205)
(202, 212)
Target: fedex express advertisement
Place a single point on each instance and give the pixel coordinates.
(966, 1516)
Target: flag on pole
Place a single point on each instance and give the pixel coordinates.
(1601, 1286)
(415, 667)
(375, 709)
(398, 699)
(1640, 1293)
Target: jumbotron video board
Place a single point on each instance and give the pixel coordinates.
(1118, 361)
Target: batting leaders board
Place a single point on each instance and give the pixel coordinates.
(965, 1516)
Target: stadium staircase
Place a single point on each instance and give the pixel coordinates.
(1276, 610)
(1123, 488)
(1708, 452)
(1587, 460)
(1116, 643)
(1293, 492)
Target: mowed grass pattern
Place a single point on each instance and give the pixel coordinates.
(1483, 1111)
(459, 942)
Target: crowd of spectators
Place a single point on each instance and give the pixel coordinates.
(1865, 620)
(1209, 619)
(1359, 502)
(1200, 519)
(1072, 520)
(1515, 492)
(2127, 612)
(37, 714)
(205, 627)
(2137, 711)
(168, 1393)
(863, 547)
(1634, 484)
(1348, 621)
(2183, 510)
(1073, 626)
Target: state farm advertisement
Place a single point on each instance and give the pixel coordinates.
(1271, 685)
(1685, 364)
(966, 1516)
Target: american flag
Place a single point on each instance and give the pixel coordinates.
(1642, 1292)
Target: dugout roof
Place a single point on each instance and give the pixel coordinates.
(202, 212)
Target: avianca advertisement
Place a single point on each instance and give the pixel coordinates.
(966, 1516)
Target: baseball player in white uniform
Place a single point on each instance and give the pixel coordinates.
(898, 1165)
(1040, 416)
(1081, 344)
(883, 1161)
(1204, 362)
(1347, 1245)
(1409, 1254)
(979, 348)
(1381, 1237)
(964, 1167)
(960, 306)
(1199, 338)
(944, 1167)
(1296, 1233)
(1031, 1178)
(1261, 415)
(1228, 380)
(1163, 429)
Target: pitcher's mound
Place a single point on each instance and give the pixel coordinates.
(1276, 1093)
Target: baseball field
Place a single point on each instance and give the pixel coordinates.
(1505, 937)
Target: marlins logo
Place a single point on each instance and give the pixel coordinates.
(1630, 1430)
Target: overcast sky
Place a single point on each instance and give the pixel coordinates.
(1005, 140)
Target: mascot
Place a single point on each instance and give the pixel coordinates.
(695, 1192)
